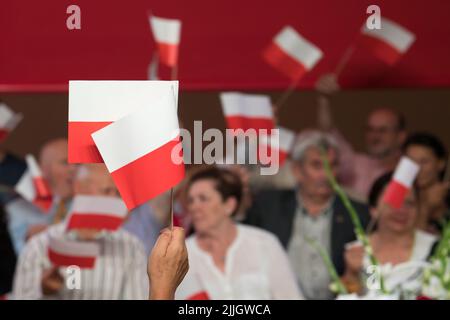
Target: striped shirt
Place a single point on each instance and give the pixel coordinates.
(120, 272)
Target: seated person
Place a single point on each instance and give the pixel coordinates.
(395, 240)
(229, 260)
(434, 197)
(311, 211)
(26, 219)
(119, 271)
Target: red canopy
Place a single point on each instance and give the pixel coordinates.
(221, 42)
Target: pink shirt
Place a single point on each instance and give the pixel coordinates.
(357, 171)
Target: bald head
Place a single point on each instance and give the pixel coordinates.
(389, 116)
(55, 168)
(95, 180)
(53, 149)
(385, 132)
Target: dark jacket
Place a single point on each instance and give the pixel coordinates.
(7, 256)
(11, 170)
(274, 211)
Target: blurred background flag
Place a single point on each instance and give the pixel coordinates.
(64, 253)
(282, 145)
(167, 36)
(402, 181)
(8, 121)
(247, 111)
(292, 54)
(96, 212)
(33, 187)
(388, 43)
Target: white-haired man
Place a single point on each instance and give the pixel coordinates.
(311, 211)
(119, 271)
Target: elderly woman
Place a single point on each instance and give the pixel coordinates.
(396, 239)
(429, 152)
(229, 260)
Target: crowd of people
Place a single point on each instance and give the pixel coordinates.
(248, 237)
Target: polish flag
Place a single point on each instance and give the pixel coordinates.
(291, 54)
(247, 111)
(8, 121)
(167, 36)
(388, 43)
(95, 104)
(401, 183)
(96, 212)
(281, 143)
(64, 253)
(33, 187)
(139, 150)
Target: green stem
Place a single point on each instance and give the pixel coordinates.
(441, 255)
(359, 231)
(331, 269)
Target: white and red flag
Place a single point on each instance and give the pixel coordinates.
(33, 187)
(389, 42)
(281, 143)
(292, 54)
(95, 104)
(96, 212)
(138, 150)
(166, 33)
(8, 121)
(64, 253)
(247, 111)
(401, 183)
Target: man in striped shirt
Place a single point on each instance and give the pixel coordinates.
(120, 272)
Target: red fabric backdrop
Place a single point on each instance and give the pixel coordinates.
(221, 42)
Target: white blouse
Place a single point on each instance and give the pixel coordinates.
(406, 273)
(256, 267)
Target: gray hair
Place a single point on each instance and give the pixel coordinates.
(312, 139)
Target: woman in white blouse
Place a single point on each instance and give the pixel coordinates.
(399, 246)
(229, 260)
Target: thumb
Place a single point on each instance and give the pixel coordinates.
(162, 243)
(178, 236)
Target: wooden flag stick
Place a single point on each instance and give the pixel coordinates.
(171, 208)
(344, 60)
(154, 67)
(286, 94)
(173, 76)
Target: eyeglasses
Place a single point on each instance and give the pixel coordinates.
(381, 130)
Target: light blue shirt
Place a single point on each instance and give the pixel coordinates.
(143, 224)
(21, 216)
